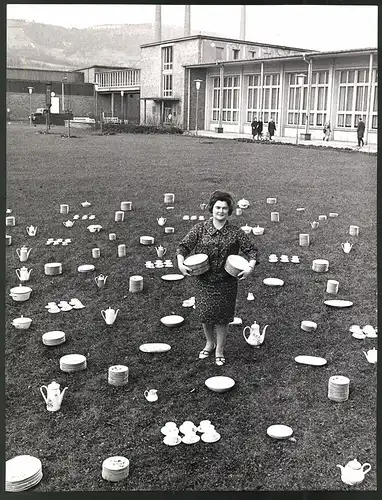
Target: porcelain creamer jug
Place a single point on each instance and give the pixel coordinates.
(53, 398)
(109, 315)
(255, 338)
(160, 251)
(353, 472)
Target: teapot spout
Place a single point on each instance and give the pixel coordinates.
(62, 394)
(341, 467)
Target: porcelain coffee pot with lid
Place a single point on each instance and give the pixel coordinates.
(255, 338)
(23, 273)
(161, 221)
(31, 230)
(23, 253)
(354, 472)
(161, 251)
(53, 398)
(346, 247)
(100, 280)
(109, 315)
(69, 223)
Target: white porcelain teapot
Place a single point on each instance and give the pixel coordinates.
(23, 273)
(161, 251)
(31, 230)
(346, 247)
(161, 221)
(255, 338)
(69, 223)
(53, 398)
(371, 355)
(353, 472)
(109, 315)
(23, 253)
(100, 280)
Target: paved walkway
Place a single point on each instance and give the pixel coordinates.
(368, 148)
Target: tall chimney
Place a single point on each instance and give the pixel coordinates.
(187, 20)
(158, 23)
(242, 22)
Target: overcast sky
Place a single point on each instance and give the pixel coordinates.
(306, 26)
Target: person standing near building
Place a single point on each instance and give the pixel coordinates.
(254, 127)
(259, 128)
(271, 128)
(327, 131)
(360, 132)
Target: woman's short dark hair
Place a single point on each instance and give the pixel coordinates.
(221, 196)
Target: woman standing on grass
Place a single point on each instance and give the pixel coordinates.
(216, 290)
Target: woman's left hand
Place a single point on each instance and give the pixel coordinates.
(244, 274)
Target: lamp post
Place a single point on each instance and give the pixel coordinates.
(197, 85)
(122, 108)
(65, 78)
(30, 90)
(300, 82)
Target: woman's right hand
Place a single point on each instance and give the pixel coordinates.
(185, 269)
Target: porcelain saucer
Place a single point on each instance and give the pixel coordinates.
(179, 440)
(208, 438)
(190, 439)
(358, 335)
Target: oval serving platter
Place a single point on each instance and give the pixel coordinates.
(158, 347)
(273, 282)
(310, 360)
(172, 277)
(338, 303)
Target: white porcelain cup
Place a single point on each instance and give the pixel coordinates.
(10, 221)
(112, 236)
(201, 217)
(96, 253)
(119, 216)
(304, 240)
(172, 437)
(239, 211)
(322, 217)
(121, 250)
(332, 286)
(193, 217)
(250, 296)
(169, 230)
(354, 230)
(151, 395)
(64, 209)
(204, 424)
(170, 426)
(126, 205)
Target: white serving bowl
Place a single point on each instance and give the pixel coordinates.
(20, 293)
(220, 383)
(172, 320)
(22, 323)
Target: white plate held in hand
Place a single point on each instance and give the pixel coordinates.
(310, 360)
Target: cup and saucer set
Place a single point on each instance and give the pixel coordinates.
(284, 258)
(172, 438)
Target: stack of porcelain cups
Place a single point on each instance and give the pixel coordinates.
(115, 468)
(118, 375)
(332, 286)
(169, 198)
(119, 216)
(126, 205)
(338, 388)
(304, 240)
(135, 284)
(354, 230)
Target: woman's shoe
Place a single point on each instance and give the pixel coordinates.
(220, 360)
(204, 353)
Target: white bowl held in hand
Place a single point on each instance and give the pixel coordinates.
(220, 383)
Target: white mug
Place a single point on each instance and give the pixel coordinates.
(275, 217)
(96, 253)
(151, 395)
(64, 209)
(112, 236)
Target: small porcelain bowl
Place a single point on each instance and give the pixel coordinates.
(258, 230)
(22, 323)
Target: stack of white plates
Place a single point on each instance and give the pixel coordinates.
(115, 468)
(135, 284)
(308, 326)
(72, 363)
(22, 472)
(146, 240)
(338, 388)
(118, 375)
(169, 198)
(235, 264)
(198, 263)
(320, 265)
(53, 338)
(53, 268)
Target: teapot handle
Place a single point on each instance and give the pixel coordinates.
(343, 246)
(18, 273)
(164, 251)
(103, 315)
(18, 251)
(42, 392)
(244, 331)
(116, 312)
(366, 465)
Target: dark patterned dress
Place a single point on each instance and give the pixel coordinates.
(216, 290)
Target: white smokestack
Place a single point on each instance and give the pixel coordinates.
(158, 23)
(242, 22)
(187, 20)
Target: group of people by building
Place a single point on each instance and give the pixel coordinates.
(257, 128)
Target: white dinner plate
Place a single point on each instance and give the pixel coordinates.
(338, 303)
(310, 360)
(273, 282)
(279, 431)
(85, 268)
(172, 277)
(158, 347)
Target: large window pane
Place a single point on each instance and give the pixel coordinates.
(374, 123)
(341, 100)
(375, 103)
(359, 99)
(348, 121)
(291, 98)
(236, 98)
(365, 94)
(266, 98)
(250, 99)
(274, 98)
(351, 76)
(312, 97)
(341, 120)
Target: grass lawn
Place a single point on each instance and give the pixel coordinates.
(97, 420)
